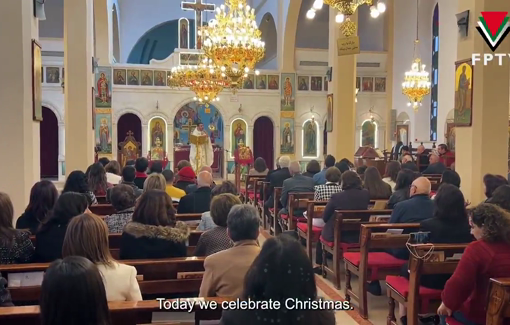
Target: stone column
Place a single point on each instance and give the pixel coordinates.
(115, 140)
(103, 32)
(61, 150)
(78, 51)
(170, 143)
(20, 143)
(145, 147)
(388, 46)
(341, 142)
(482, 148)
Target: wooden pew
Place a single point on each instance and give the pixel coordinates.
(122, 312)
(160, 276)
(277, 193)
(265, 190)
(102, 209)
(370, 266)
(498, 305)
(410, 293)
(250, 192)
(101, 199)
(314, 210)
(346, 220)
(295, 201)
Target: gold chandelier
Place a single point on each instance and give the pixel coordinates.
(205, 80)
(416, 83)
(347, 8)
(233, 41)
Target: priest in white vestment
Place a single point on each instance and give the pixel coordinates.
(204, 151)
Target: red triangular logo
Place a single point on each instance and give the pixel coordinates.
(494, 19)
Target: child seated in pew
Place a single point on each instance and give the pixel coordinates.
(72, 292)
(153, 231)
(87, 236)
(15, 245)
(123, 200)
(465, 293)
(217, 239)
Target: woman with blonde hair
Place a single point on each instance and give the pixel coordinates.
(87, 236)
(155, 181)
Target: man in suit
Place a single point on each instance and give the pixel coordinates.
(297, 183)
(407, 163)
(276, 180)
(193, 187)
(422, 157)
(320, 177)
(198, 201)
(435, 167)
(225, 270)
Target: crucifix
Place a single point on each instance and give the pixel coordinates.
(199, 7)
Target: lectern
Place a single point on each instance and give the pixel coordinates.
(198, 141)
(369, 156)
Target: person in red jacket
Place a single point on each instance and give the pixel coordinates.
(445, 156)
(465, 293)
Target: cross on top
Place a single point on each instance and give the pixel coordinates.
(199, 7)
(129, 133)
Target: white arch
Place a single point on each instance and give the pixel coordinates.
(166, 131)
(118, 114)
(308, 116)
(317, 127)
(179, 105)
(268, 114)
(55, 110)
(154, 114)
(376, 137)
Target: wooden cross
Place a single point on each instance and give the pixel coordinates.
(199, 7)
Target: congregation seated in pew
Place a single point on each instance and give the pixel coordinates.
(123, 200)
(50, 236)
(113, 172)
(96, 179)
(297, 183)
(43, 197)
(391, 173)
(332, 185)
(281, 271)
(76, 181)
(276, 179)
(313, 167)
(128, 177)
(199, 200)
(141, 166)
(408, 163)
(376, 187)
(87, 236)
(185, 175)
(153, 231)
(206, 221)
(501, 197)
(225, 270)
(465, 294)
(259, 167)
(15, 245)
(154, 181)
(405, 179)
(436, 167)
(491, 183)
(320, 177)
(217, 239)
(175, 193)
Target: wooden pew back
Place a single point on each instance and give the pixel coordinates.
(297, 201)
(498, 305)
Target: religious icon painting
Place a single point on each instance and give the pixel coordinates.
(329, 120)
(288, 92)
(103, 78)
(326, 83)
(367, 84)
(273, 82)
(52, 75)
(358, 83)
(159, 78)
(238, 130)
(464, 78)
(310, 134)
(303, 83)
(380, 84)
(231, 167)
(103, 133)
(119, 76)
(261, 81)
(287, 135)
(249, 82)
(183, 33)
(36, 81)
(133, 77)
(147, 77)
(157, 138)
(316, 84)
(368, 134)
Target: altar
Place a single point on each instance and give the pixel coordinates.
(181, 152)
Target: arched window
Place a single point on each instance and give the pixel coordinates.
(434, 74)
(369, 134)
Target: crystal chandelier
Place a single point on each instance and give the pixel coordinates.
(233, 41)
(416, 83)
(347, 8)
(205, 80)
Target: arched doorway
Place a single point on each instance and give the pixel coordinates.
(263, 140)
(195, 113)
(48, 133)
(129, 125)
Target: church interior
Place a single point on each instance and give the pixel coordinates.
(291, 106)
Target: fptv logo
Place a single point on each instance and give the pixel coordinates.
(494, 26)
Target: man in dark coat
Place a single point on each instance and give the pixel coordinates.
(198, 201)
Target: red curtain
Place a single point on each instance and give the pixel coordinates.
(129, 122)
(48, 133)
(263, 140)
